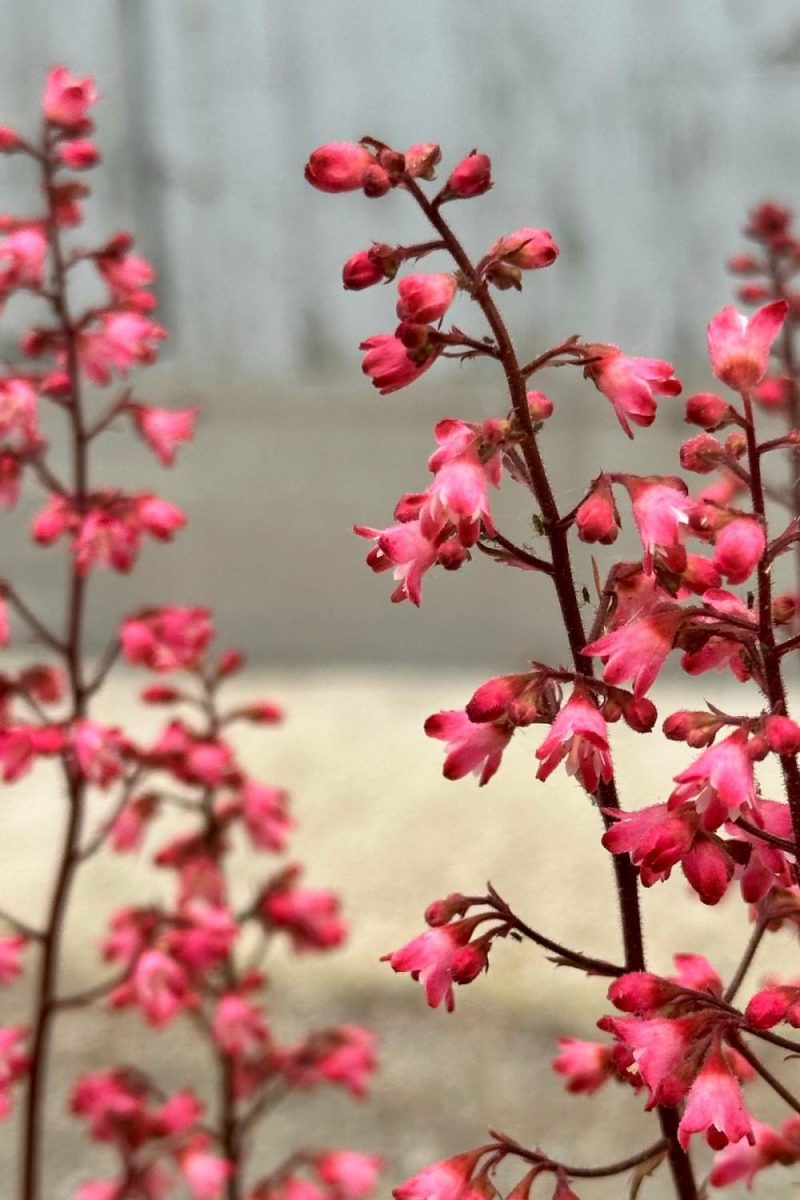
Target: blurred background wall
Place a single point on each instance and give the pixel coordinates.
(638, 131)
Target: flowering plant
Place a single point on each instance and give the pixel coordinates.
(197, 951)
(680, 1041)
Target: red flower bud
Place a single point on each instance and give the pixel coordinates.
(541, 406)
(707, 410)
(472, 177)
(361, 271)
(338, 167)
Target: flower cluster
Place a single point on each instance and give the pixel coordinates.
(701, 595)
(193, 947)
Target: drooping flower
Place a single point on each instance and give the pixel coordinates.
(639, 649)
(472, 747)
(631, 384)
(424, 299)
(720, 782)
(579, 738)
(171, 638)
(164, 429)
(440, 957)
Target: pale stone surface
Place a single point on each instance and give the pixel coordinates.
(378, 821)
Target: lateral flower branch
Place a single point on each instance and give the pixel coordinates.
(704, 586)
(195, 953)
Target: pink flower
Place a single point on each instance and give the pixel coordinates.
(476, 748)
(23, 255)
(527, 248)
(11, 949)
(126, 274)
(579, 736)
(655, 838)
(67, 98)
(472, 177)
(351, 1174)
(715, 1105)
(264, 810)
(124, 339)
(18, 411)
(338, 167)
(309, 916)
(631, 384)
(21, 745)
(205, 1173)
(773, 1004)
(165, 429)
(719, 782)
(79, 154)
(639, 649)
(389, 364)
(98, 750)
(239, 1027)
(159, 986)
(738, 548)
(167, 639)
(586, 1066)
(14, 1063)
(742, 1160)
(410, 548)
(440, 957)
(739, 348)
(343, 1055)
(445, 1180)
(424, 299)
(661, 510)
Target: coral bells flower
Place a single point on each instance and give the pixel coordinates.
(204, 1172)
(631, 384)
(164, 429)
(715, 1106)
(526, 250)
(773, 1004)
(720, 782)
(738, 548)
(440, 957)
(586, 1066)
(159, 986)
(14, 1063)
(597, 518)
(739, 348)
(424, 299)
(167, 639)
(471, 747)
(742, 1161)
(579, 738)
(391, 366)
(67, 99)
(638, 650)
(123, 340)
(350, 1174)
(409, 548)
(22, 258)
(661, 511)
(309, 916)
(446, 1180)
(338, 167)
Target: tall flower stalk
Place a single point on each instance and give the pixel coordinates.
(681, 1041)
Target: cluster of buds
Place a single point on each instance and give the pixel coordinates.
(702, 587)
(194, 948)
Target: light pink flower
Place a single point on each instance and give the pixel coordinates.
(579, 738)
(351, 1174)
(440, 957)
(471, 747)
(67, 98)
(715, 1106)
(639, 649)
(631, 384)
(739, 348)
(165, 429)
(424, 299)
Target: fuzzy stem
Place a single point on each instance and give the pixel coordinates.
(46, 988)
(566, 592)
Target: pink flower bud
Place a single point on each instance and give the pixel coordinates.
(752, 293)
(9, 140)
(640, 992)
(79, 154)
(773, 392)
(640, 714)
(452, 555)
(701, 454)
(707, 410)
(424, 299)
(738, 548)
(441, 912)
(361, 271)
(743, 264)
(338, 167)
(784, 608)
(782, 734)
(529, 249)
(541, 406)
(472, 177)
(597, 519)
(468, 962)
(696, 728)
(67, 98)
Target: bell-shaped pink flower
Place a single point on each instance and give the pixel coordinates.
(586, 1066)
(715, 1106)
(165, 429)
(351, 1174)
(631, 384)
(446, 1180)
(720, 782)
(471, 747)
(579, 738)
(661, 511)
(440, 957)
(67, 98)
(739, 348)
(638, 650)
(389, 364)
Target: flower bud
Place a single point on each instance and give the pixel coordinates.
(743, 264)
(425, 299)
(782, 734)
(9, 140)
(707, 410)
(408, 507)
(440, 912)
(752, 293)
(452, 555)
(79, 155)
(697, 729)
(468, 962)
(701, 454)
(639, 713)
(639, 992)
(338, 167)
(472, 177)
(376, 181)
(494, 699)
(361, 271)
(738, 548)
(784, 608)
(597, 518)
(541, 406)
(230, 661)
(529, 249)
(159, 693)
(422, 159)
(773, 392)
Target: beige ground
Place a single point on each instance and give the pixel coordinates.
(380, 823)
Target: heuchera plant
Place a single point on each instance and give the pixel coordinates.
(703, 586)
(197, 952)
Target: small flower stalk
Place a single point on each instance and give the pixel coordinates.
(710, 589)
(191, 950)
